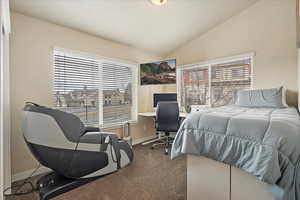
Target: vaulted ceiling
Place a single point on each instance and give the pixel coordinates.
(138, 23)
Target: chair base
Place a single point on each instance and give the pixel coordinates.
(52, 185)
(157, 139)
(166, 142)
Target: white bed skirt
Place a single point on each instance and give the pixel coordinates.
(211, 180)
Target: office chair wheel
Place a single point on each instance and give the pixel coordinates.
(166, 151)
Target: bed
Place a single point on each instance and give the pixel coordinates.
(252, 150)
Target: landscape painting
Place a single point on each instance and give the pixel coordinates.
(162, 72)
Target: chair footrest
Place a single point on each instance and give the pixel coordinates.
(52, 185)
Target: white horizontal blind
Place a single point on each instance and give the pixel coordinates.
(215, 84)
(101, 91)
(76, 81)
(117, 93)
(227, 79)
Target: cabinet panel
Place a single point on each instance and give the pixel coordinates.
(207, 179)
(247, 187)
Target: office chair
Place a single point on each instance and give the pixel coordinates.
(167, 120)
(75, 153)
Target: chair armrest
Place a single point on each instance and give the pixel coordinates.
(180, 121)
(91, 129)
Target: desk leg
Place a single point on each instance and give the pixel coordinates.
(127, 134)
(158, 138)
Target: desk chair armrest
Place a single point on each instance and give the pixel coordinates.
(155, 123)
(180, 120)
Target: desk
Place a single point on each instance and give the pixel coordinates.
(153, 114)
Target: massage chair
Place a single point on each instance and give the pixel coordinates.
(75, 153)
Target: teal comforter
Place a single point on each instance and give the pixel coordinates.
(264, 142)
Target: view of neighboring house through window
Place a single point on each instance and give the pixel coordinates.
(215, 84)
(98, 91)
(196, 86)
(76, 86)
(117, 93)
(230, 78)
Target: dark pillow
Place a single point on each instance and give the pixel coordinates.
(267, 98)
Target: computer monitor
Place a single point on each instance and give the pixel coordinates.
(163, 97)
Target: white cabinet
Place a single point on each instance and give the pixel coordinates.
(211, 180)
(247, 187)
(207, 179)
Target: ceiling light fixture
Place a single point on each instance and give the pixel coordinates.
(159, 2)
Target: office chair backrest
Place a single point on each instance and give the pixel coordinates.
(167, 116)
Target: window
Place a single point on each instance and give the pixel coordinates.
(76, 86)
(235, 76)
(116, 86)
(197, 75)
(218, 82)
(237, 73)
(195, 86)
(99, 91)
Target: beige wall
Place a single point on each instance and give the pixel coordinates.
(32, 42)
(268, 28)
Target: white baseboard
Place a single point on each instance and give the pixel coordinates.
(23, 175)
(144, 139)
(41, 170)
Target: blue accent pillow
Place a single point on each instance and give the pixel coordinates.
(261, 98)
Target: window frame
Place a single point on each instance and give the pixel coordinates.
(101, 59)
(5, 122)
(209, 64)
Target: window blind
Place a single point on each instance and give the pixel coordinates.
(76, 81)
(215, 84)
(99, 91)
(117, 93)
(228, 79)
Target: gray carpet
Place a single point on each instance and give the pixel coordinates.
(152, 176)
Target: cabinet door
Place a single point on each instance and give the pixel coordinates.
(207, 179)
(247, 187)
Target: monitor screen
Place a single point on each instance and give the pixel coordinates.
(164, 97)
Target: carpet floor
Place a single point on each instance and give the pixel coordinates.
(151, 176)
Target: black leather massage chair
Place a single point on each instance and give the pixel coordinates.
(75, 153)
